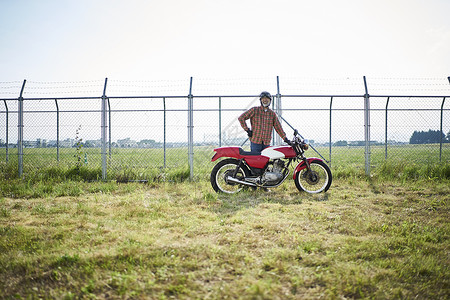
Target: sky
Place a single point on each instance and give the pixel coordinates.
(77, 40)
(229, 47)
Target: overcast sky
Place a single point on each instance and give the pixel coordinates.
(129, 41)
(59, 40)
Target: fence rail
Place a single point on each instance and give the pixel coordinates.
(154, 131)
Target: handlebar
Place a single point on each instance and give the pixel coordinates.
(304, 143)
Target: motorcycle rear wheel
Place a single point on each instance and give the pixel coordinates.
(316, 181)
(222, 170)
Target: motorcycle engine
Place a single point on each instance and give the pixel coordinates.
(274, 173)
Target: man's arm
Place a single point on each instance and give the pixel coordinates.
(245, 116)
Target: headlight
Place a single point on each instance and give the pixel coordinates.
(305, 147)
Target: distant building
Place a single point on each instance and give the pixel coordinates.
(41, 143)
(127, 143)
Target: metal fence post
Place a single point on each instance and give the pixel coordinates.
(331, 104)
(279, 111)
(367, 127)
(442, 118)
(57, 130)
(273, 129)
(220, 121)
(104, 99)
(164, 104)
(20, 128)
(191, 132)
(7, 130)
(109, 128)
(386, 131)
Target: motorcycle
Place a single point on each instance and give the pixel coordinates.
(270, 168)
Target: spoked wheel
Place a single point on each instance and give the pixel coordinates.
(315, 181)
(220, 173)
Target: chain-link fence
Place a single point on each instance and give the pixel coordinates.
(138, 135)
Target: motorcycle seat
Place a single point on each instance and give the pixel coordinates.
(246, 153)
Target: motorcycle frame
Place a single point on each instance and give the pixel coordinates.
(297, 147)
(242, 161)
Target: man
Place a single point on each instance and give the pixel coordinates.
(262, 120)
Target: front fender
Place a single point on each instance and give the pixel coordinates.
(302, 165)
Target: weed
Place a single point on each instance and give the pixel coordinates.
(78, 147)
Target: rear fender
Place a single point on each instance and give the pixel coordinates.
(302, 165)
(226, 152)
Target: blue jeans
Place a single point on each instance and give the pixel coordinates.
(257, 147)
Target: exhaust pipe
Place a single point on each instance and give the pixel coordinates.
(234, 180)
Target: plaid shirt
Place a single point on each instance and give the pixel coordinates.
(262, 120)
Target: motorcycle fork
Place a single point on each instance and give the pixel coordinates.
(308, 166)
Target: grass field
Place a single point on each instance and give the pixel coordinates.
(362, 239)
(383, 237)
(150, 164)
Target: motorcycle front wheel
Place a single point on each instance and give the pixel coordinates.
(317, 180)
(220, 173)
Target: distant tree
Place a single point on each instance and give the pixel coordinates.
(427, 137)
(340, 143)
(415, 138)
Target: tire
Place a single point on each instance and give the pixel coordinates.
(224, 168)
(316, 182)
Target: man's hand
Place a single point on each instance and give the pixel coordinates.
(250, 133)
(287, 141)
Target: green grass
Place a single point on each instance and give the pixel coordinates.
(66, 234)
(366, 238)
